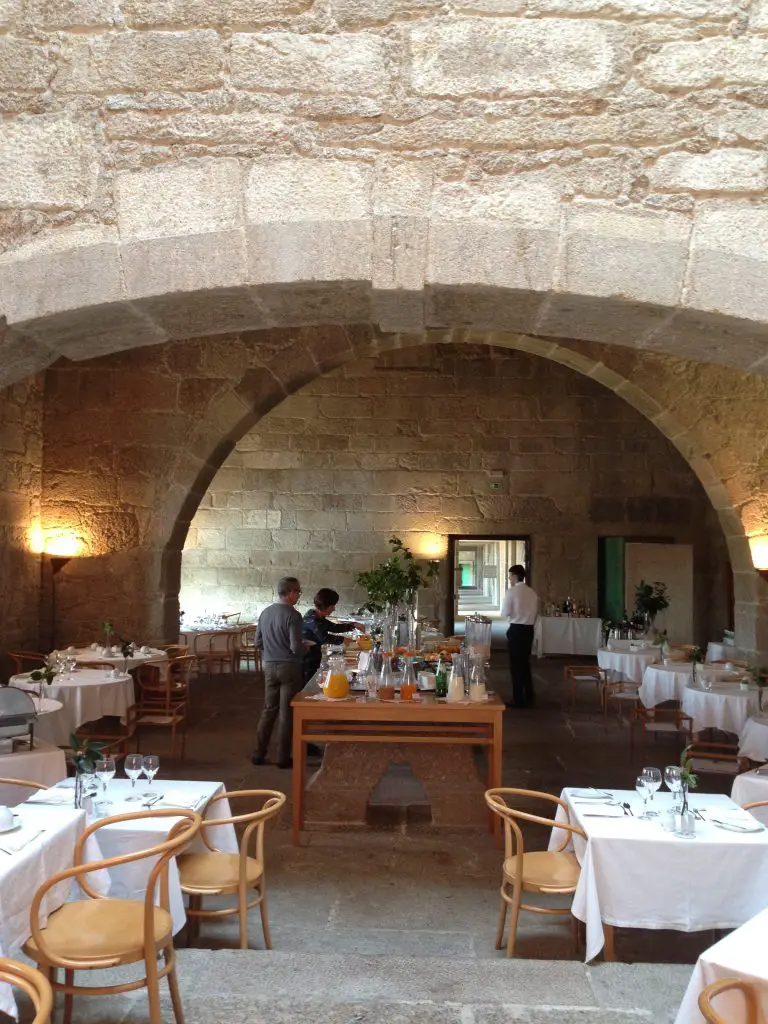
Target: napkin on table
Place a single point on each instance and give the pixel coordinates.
(601, 810)
(180, 798)
(59, 797)
(14, 842)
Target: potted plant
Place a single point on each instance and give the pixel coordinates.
(650, 599)
(85, 754)
(395, 582)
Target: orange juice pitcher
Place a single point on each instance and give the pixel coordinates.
(336, 684)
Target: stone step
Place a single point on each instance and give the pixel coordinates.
(248, 985)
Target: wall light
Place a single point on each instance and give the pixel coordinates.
(758, 547)
(60, 542)
(430, 546)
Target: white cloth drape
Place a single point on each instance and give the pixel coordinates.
(749, 787)
(626, 666)
(87, 696)
(45, 764)
(567, 635)
(726, 706)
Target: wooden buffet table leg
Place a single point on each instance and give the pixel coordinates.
(299, 760)
(494, 772)
(609, 949)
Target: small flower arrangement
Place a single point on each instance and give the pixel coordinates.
(85, 754)
(108, 628)
(651, 598)
(696, 655)
(660, 639)
(46, 674)
(688, 779)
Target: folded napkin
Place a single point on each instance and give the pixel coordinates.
(13, 842)
(59, 797)
(180, 798)
(601, 811)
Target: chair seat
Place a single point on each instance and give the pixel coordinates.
(547, 871)
(216, 871)
(624, 695)
(155, 718)
(98, 929)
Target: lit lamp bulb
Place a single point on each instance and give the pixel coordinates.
(63, 545)
(758, 546)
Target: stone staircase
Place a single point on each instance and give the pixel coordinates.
(235, 987)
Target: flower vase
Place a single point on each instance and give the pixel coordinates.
(693, 673)
(85, 785)
(125, 666)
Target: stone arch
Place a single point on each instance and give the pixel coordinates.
(261, 389)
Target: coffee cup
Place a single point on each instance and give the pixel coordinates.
(6, 818)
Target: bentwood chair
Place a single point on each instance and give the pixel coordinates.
(33, 983)
(163, 702)
(551, 872)
(573, 674)
(215, 650)
(751, 997)
(98, 932)
(114, 735)
(26, 661)
(11, 799)
(172, 650)
(214, 873)
(246, 650)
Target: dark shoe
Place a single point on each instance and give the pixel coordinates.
(313, 750)
(258, 760)
(285, 764)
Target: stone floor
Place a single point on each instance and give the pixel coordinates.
(397, 923)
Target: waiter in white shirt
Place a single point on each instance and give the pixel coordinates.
(520, 606)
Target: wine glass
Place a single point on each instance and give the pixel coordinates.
(105, 769)
(673, 776)
(641, 785)
(653, 782)
(134, 765)
(150, 766)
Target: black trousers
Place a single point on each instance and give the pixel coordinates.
(520, 642)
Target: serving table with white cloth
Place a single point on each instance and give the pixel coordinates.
(129, 881)
(634, 874)
(753, 739)
(725, 706)
(751, 786)
(625, 665)
(724, 652)
(45, 763)
(87, 695)
(739, 955)
(24, 871)
(567, 634)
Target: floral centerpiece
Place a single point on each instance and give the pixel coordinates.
(108, 628)
(650, 599)
(85, 754)
(696, 656)
(687, 778)
(44, 676)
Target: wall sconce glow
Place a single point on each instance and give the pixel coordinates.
(35, 539)
(758, 546)
(431, 546)
(63, 544)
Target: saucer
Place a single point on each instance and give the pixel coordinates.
(17, 823)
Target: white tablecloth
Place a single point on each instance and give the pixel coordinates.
(129, 881)
(45, 764)
(154, 657)
(753, 739)
(748, 787)
(22, 874)
(726, 706)
(624, 665)
(668, 682)
(87, 696)
(739, 955)
(724, 652)
(636, 875)
(567, 635)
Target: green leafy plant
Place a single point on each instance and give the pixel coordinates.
(108, 628)
(397, 579)
(651, 598)
(85, 754)
(759, 675)
(46, 675)
(660, 639)
(126, 647)
(696, 655)
(688, 779)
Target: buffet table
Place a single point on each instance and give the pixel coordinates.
(739, 955)
(567, 634)
(364, 737)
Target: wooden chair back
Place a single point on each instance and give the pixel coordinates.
(747, 988)
(179, 836)
(25, 661)
(251, 821)
(23, 782)
(172, 650)
(513, 836)
(33, 983)
(232, 618)
(154, 688)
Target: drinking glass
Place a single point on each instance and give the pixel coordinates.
(150, 767)
(653, 782)
(641, 785)
(134, 765)
(673, 776)
(105, 769)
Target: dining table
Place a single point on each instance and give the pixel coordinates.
(86, 695)
(739, 955)
(140, 656)
(724, 706)
(665, 682)
(129, 881)
(636, 874)
(625, 664)
(749, 787)
(753, 739)
(41, 846)
(43, 763)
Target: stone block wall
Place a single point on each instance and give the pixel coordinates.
(408, 443)
(21, 453)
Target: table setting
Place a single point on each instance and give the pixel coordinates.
(647, 863)
(139, 655)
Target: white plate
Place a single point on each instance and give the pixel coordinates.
(598, 795)
(17, 823)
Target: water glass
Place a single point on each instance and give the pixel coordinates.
(641, 785)
(134, 765)
(105, 769)
(673, 776)
(653, 782)
(150, 767)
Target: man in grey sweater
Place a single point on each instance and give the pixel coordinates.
(278, 636)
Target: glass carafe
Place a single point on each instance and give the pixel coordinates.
(386, 679)
(408, 686)
(477, 690)
(456, 680)
(336, 684)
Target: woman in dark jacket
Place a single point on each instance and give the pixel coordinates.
(315, 626)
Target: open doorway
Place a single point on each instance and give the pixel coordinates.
(479, 577)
